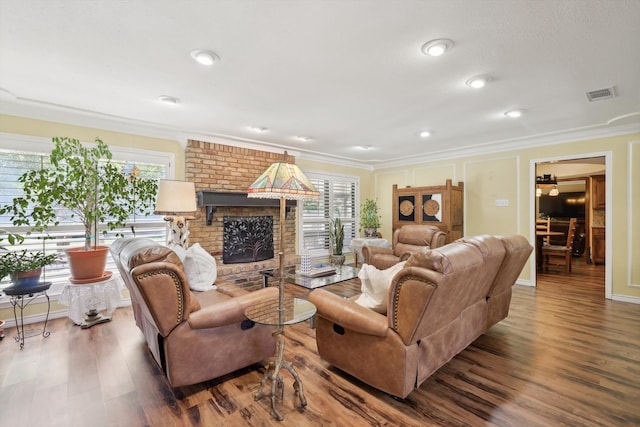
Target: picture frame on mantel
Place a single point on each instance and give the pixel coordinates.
(439, 205)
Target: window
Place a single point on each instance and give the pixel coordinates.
(28, 153)
(338, 199)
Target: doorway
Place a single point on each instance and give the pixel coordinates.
(564, 188)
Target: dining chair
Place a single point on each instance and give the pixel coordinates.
(544, 225)
(559, 254)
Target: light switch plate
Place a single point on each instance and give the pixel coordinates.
(502, 202)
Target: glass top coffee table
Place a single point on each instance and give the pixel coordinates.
(342, 273)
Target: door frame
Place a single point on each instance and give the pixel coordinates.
(608, 212)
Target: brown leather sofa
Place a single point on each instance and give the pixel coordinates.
(406, 240)
(439, 303)
(193, 336)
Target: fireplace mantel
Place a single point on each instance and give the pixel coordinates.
(212, 200)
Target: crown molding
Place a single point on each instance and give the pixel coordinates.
(39, 110)
(541, 140)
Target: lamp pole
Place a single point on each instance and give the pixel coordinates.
(283, 205)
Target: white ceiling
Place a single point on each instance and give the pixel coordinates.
(346, 73)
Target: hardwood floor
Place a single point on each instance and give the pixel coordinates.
(564, 356)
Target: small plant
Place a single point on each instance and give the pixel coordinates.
(20, 261)
(336, 236)
(24, 260)
(369, 217)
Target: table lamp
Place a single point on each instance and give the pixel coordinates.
(177, 201)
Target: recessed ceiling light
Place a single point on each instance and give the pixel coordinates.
(258, 129)
(436, 47)
(171, 100)
(514, 114)
(477, 82)
(364, 147)
(425, 134)
(303, 138)
(204, 57)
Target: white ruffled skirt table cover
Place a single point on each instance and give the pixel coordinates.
(104, 295)
(357, 244)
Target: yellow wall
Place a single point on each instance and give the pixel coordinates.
(41, 128)
(508, 176)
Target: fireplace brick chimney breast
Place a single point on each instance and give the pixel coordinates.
(218, 167)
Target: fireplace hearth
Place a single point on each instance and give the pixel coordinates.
(247, 239)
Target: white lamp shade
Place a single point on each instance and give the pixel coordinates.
(176, 197)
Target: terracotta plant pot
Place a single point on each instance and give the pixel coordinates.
(86, 265)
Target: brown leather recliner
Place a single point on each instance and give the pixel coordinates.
(193, 336)
(439, 303)
(406, 240)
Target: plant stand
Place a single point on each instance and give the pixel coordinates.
(21, 297)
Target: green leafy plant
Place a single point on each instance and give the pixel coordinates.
(85, 182)
(336, 236)
(12, 262)
(369, 217)
(24, 260)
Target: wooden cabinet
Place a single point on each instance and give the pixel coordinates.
(599, 191)
(439, 205)
(598, 253)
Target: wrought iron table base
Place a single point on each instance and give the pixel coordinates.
(18, 302)
(273, 373)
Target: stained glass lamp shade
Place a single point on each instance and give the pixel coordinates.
(282, 181)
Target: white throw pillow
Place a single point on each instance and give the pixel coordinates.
(200, 268)
(375, 286)
(178, 250)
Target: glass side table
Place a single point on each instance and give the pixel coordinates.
(21, 297)
(295, 310)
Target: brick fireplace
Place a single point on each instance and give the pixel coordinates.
(223, 168)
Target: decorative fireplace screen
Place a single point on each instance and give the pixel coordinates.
(247, 239)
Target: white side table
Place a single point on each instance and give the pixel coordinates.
(86, 301)
(356, 245)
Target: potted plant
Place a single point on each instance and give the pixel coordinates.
(369, 218)
(84, 183)
(24, 267)
(336, 241)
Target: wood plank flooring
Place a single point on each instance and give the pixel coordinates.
(564, 356)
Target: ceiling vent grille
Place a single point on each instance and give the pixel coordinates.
(597, 95)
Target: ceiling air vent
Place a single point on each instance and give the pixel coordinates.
(597, 95)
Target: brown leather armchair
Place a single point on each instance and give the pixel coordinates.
(193, 336)
(439, 303)
(406, 240)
